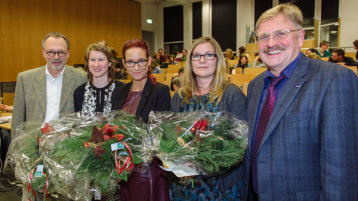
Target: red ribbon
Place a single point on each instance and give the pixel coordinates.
(128, 162)
(33, 192)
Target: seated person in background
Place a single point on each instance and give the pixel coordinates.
(339, 58)
(258, 62)
(119, 71)
(178, 56)
(99, 93)
(243, 63)
(183, 58)
(5, 108)
(155, 66)
(176, 83)
(323, 49)
(179, 74)
(355, 44)
(311, 50)
(166, 55)
(242, 51)
(172, 60)
(312, 53)
(229, 54)
(156, 59)
(162, 58)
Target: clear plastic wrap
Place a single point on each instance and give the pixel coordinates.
(198, 143)
(81, 153)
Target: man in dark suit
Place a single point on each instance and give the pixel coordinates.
(303, 118)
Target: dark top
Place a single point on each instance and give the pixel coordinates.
(78, 96)
(154, 97)
(232, 101)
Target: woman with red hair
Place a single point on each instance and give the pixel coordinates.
(139, 97)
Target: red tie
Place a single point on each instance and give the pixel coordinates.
(262, 124)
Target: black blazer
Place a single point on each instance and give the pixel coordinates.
(154, 97)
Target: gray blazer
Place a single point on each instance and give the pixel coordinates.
(30, 95)
(310, 146)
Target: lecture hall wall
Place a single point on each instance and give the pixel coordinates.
(24, 23)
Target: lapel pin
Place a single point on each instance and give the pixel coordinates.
(298, 86)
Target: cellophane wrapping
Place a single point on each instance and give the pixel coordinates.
(198, 143)
(77, 155)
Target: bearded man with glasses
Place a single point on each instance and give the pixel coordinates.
(302, 117)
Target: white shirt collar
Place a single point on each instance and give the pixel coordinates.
(48, 72)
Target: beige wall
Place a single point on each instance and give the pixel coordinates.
(23, 24)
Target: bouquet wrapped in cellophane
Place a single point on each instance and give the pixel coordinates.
(80, 154)
(198, 143)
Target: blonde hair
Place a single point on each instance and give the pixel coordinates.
(100, 47)
(288, 10)
(229, 53)
(189, 82)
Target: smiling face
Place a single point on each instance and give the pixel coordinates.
(98, 65)
(56, 62)
(278, 54)
(243, 60)
(135, 54)
(203, 68)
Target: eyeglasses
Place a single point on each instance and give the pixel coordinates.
(53, 53)
(207, 56)
(277, 35)
(141, 63)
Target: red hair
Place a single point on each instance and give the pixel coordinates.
(136, 42)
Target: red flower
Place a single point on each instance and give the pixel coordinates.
(119, 136)
(47, 129)
(106, 138)
(86, 144)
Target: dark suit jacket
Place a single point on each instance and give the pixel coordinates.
(310, 146)
(154, 97)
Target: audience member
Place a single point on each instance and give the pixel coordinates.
(323, 49)
(178, 56)
(162, 58)
(176, 83)
(43, 93)
(229, 54)
(312, 53)
(258, 62)
(302, 118)
(243, 63)
(183, 58)
(172, 60)
(179, 74)
(339, 58)
(100, 92)
(140, 97)
(355, 44)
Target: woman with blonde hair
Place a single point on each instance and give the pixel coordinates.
(204, 88)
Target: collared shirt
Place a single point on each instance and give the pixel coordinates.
(287, 72)
(326, 53)
(53, 95)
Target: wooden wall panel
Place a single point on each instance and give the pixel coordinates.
(24, 23)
